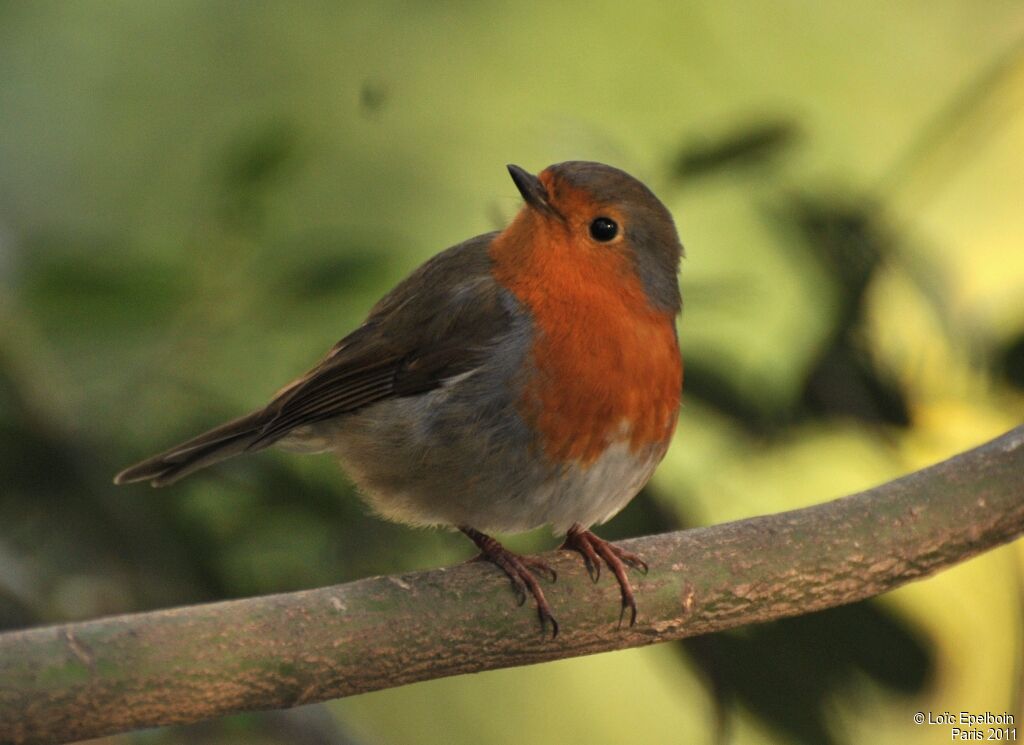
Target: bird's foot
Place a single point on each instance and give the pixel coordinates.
(596, 551)
(521, 570)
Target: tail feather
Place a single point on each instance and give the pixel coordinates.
(223, 442)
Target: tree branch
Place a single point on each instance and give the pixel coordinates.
(181, 665)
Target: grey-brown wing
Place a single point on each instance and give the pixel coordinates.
(438, 323)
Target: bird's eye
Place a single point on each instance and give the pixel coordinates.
(603, 229)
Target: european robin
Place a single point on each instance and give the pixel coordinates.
(524, 377)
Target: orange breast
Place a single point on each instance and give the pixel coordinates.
(607, 365)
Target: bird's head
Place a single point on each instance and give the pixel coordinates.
(592, 208)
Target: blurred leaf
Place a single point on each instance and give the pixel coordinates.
(77, 286)
(257, 159)
(846, 382)
(743, 147)
(335, 266)
(1011, 362)
(791, 672)
(844, 236)
(254, 163)
(373, 97)
(714, 385)
(849, 241)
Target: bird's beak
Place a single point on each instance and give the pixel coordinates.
(531, 188)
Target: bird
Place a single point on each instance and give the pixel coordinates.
(525, 377)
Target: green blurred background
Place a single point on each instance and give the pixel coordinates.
(197, 199)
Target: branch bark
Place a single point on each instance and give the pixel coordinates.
(80, 680)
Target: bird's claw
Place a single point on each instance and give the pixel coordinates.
(520, 571)
(596, 551)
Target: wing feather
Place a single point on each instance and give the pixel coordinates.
(438, 323)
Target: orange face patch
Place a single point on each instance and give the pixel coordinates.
(607, 365)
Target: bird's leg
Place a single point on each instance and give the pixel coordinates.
(520, 570)
(594, 551)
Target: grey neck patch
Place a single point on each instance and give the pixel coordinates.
(656, 255)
